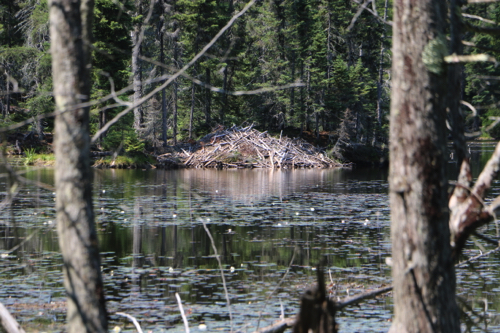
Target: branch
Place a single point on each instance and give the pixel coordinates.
(358, 298)
(136, 323)
(9, 323)
(485, 254)
(183, 315)
(467, 208)
(482, 30)
(489, 49)
(221, 273)
(475, 17)
(278, 327)
(355, 18)
(456, 59)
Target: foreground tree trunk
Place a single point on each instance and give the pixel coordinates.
(423, 272)
(70, 31)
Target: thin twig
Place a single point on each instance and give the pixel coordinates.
(221, 273)
(183, 315)
(485, 254)
(134, 321)
(9, 323)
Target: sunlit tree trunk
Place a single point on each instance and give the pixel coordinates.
(70, 31)
(423, 271)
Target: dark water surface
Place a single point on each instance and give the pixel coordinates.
(270, 229)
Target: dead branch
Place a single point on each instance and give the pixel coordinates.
(9, 323)
(467, 208)
(476, 17)
(358, 298)
(278, 327)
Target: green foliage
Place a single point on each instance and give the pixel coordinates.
(29, 156)
(275, 43)
(486, 122)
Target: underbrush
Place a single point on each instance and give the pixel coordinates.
(128, 161)
(32, 158)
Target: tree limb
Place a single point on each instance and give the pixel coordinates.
(9, 323)
(468, 210)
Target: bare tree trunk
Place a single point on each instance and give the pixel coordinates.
(174, 105)
(423, 271)
(163, 94)
(70, 31)
(223, 108)
(381, 72)
(208, 99)
(191, 114)
(455, 87)
(175, 90)
(137, 70)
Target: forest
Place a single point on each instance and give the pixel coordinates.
(296, 65)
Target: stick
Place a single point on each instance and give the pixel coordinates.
(9, 323)
(221, 273)
(183, 315)
(136, 323)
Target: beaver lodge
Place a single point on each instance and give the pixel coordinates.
(246, 147)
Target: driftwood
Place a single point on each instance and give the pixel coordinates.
(237, 147)
(9, 323)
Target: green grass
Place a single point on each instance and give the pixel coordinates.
(137, 160)
(29, 156)
(32, 158)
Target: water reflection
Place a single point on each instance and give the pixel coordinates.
(153, 245)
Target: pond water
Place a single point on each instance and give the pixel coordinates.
(270, 230)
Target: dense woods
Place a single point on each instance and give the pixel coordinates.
(331, 63)
(321, 63)
(331, 58)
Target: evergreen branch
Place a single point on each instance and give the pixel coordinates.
(489, 49)
(174, 76)
(483, 30)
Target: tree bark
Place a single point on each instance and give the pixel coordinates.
(423, 272)
(137, 70)
(70, 31)
(163, 93)
(208, 99)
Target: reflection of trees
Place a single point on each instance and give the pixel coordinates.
(137, 256)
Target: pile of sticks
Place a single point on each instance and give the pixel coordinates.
(246, 147)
